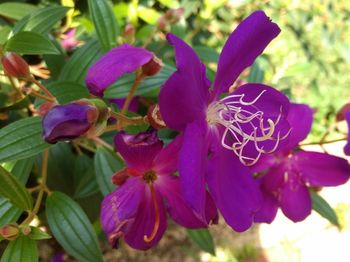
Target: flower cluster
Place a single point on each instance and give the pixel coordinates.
(236, 149)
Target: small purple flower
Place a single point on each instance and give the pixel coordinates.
(69, 41)
(117, 62)
(66, 122)
(236, 129)
(137, 209)
(290, 174)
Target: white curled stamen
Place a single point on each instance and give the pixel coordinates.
(244, 124)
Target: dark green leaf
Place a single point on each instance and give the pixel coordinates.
(256, 74)
(66, 91)
(77, 66)
(30, 43)
(8, 212)
(105, 23)
(37, 234)
(203, 239)
(21, 139)
(14, 191)
(71, 227)
(207, 54)
(22, 249)
(16, 10)
(20, 168)
(321, 206)
(85, 178)
(44, 19)
(121, 88)
(106, 164)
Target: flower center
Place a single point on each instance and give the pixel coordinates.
(244, 125)
(150, 176)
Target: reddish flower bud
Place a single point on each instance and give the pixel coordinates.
(154, 117)
(9, 232)
(152, 67)
(129, 32)
(44, 108)
(26, 230)
(14, 65)
(162, 23)
(341, 113)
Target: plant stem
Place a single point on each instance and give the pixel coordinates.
(132, 91)
(43, 88)
(103, 143)
(324, 142)
(37, 94)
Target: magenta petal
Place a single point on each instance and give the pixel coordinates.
(144, 222)
(319, 169)
(244, 45)
(184, 96)
(300, 120)
(167, 160)
(192, 165)
(138, 150)
(347, 146)
(273, 180)
(268, 210)
(295, 200)
(178, 208)
(234, 190)
(118, 61)
(119, 209)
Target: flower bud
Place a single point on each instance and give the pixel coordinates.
(341, 113)
(9, 232)
(44, 108)
(152, 67)
(154, 117)
(129, 32)
(70, 121)
(26, 230)
(14, 65)
(162, 23)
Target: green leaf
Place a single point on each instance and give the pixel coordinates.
(106, 164)
(207, 54)
(77, 66)
(8, 212)
(21, 139)
(203, 239)
(105, 23)
(20, 168)
(84, 177)
(66, 91)
(321, 206)
(16, 10)
(14, 191)
(256, 74)
(37, 234)
(71, 228)
(43, 20)
(121, 88)
(149, 15)
(30, 43)
(22, 249)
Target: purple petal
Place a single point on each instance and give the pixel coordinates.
(234, 190)
(145, 221)
(319, 169)
(243, 46)
(119, 209)
(138, 150)
(347, 146)
(118, 61)
(66, 122)
(192, 164)
(167, 161)
(178, 208)
(273, 180)
(295, 200)
(268, 210)
(184, 96)
(267, 104)
(300, 120)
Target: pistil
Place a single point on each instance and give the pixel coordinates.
(149, 238)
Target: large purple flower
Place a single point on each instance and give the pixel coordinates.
(236, 129)
(288, 175)
(117, 62)
(137, 209)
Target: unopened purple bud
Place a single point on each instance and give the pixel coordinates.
(14, 65)
(67, 122)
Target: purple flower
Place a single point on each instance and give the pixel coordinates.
(236, 129)
(137, 209)
(344, 114)
(69, 41)
(117, 62)
(290, 174)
